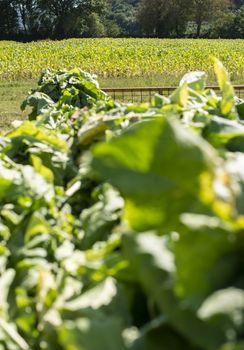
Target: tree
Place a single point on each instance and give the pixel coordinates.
(206, 10)
(9, 19)
(94, 26)
(239, 3)
(163, 17)
(123, 13)
(223, 26)
(113, 30)
(28, 14)
(178, 16)
(239, 23)
(150, 17)
(67, 15)
(94, 18)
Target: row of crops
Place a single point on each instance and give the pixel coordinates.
(120, 57)
(122, 226)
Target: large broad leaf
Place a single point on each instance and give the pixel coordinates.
(158, 333)
(195, 80)
(95, 319)
(95, 298)
(225, 133)
(233, 346)
(157, 166)
(28, 129)
(21, 180)
(180, 95)
(6, 280)
(99, 220)
(43, 149)
(57, 89)
(225, 310)
(154, 272)
(93, 334)
(203, 249)
(235, 168)
(240, 107)
(39, 102)
(10, 337)
(227, 103)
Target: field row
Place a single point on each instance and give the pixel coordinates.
(122, 226)
(122, 58)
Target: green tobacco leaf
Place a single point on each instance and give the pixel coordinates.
(70, 278)
(103, 298)
(95, 298)
(99, 220)
(96, 318)
(41, 169)
(195, 80)
(221, 73)
(225, 133)
(212, 244)
(240, 108)
(225, 309)
(154, 273)
(20, 181)
(43, 149)
(235, 168)
(39, 102)
(159, 101)
(227, 102)
(12, 336)
(158, 333)
(233, 346)
(30, 129)
(92, 334)
(156, 165)
(37, 225)
(180, 95)
(6, 280)
(59, 89)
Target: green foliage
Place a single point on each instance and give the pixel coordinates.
(239, 22)
(121, 226)
(95, 27)
(9, 21)
(164, 59)
(123, 13)
(161, 18)
(66, 17)
(70, 89)
(44, 19)
(142, 180)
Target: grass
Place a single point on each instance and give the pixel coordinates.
(11, 97)
(12, 94)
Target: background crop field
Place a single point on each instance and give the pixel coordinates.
(117, 62)
(163, 60)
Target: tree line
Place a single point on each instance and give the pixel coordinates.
(57, 19)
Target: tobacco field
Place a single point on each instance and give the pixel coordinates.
(121, 58)
(122, 226)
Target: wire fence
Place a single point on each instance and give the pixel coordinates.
(144, 94)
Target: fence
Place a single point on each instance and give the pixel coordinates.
(144, 94)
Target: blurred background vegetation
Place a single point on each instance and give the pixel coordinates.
(27, 20)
